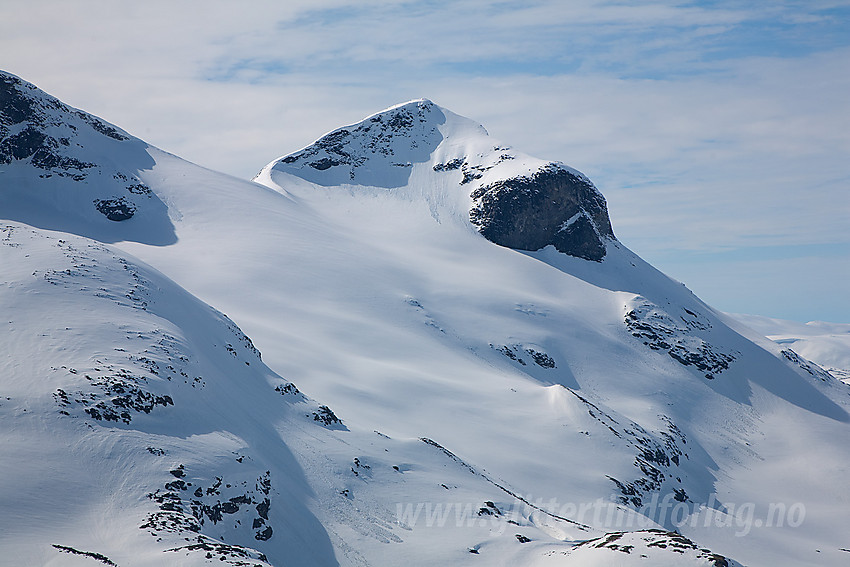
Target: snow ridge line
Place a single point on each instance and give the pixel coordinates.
(499, 486)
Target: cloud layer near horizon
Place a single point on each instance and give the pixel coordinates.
(718, 131)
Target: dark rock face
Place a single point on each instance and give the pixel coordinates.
(326, 417)
(580, 239)
(553, 206)
(13, 108)
(23, 144)
(96, 556)
(514, 352)
(20, 105)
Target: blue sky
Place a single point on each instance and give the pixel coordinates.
(718, 131)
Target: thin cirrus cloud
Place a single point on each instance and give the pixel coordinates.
(654, 39)
(716, 129)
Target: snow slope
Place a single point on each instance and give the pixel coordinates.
(497, 404)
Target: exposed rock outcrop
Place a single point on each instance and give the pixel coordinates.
(552, 206)
(32, 126)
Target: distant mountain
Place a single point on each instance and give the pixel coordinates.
(484, 372)
(825, 344)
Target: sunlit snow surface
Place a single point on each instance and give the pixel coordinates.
(424, 396)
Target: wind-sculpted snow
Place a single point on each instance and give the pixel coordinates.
(132, 378)
(657, 459)
(159, 380)
(67, 170)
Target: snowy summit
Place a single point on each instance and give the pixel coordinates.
(513, 199)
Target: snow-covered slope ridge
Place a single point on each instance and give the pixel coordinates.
(513, 199)
(64, 169)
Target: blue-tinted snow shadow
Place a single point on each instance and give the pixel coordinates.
(53, 199)
(149, 226)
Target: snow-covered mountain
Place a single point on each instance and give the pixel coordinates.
(515, 200)
(66, 170)
(484, 372)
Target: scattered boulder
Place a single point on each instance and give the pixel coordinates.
(115, 209)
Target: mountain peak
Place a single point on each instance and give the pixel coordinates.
(417, 103)
(379, 150)
(513, 199)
